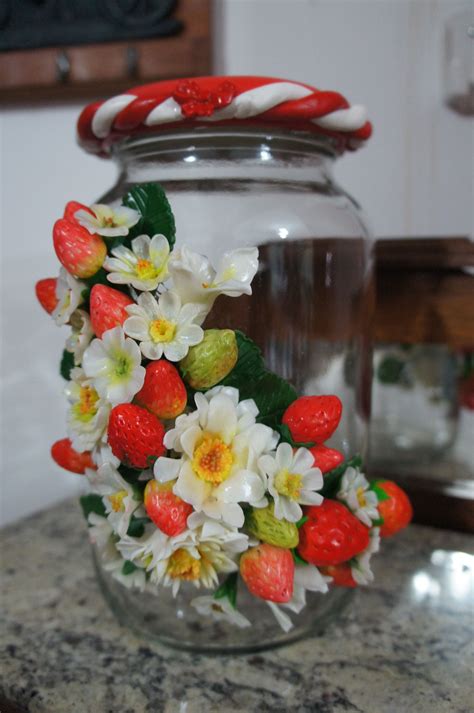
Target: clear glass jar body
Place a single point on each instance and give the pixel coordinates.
(310, 310)
(414, 404)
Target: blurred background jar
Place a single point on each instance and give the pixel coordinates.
(459, 62)
(414, 404)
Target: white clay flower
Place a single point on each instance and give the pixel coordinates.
(113, 365)
(136, 579)
(117, 496)
(88, 413)
(356, 494)
(102, 453)
(81, 334)
(107, 221)
(100, 533)
(143, 267)
(292, 480)
(360, 565)
(307, 578)
(197, 555)
(197, 281)
(164, 326)
(219, 609)
(69, 295)
(220, 443)
(102, 536)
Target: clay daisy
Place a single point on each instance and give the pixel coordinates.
(106, 220)
(164, 326)
(143, 267)
(292, 480)
(113, 365)
(220, 444)
(356, 494)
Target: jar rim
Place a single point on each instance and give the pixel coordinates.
(296, 142)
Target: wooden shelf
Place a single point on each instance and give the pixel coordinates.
(107, 68)
(424, 293)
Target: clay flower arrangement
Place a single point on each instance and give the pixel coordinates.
(204, 467)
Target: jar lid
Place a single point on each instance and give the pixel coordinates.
(203, 101)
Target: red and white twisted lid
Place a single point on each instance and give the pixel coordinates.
(203, 101)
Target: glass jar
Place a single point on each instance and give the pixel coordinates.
(271, 187)
(312, 299)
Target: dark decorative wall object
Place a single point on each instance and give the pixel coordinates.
(29, 24)
(65, 49)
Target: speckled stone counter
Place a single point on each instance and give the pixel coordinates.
(404, 645)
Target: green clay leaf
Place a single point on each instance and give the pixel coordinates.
(136, 527)
(301, 522)
(66, 365)
(150, 200)
(228, 589)
(333, 478)
(297, 559)
(271, 393)
(100, 278)
(92, 503)
(128, 567)
(249, 366)
(286, 437)
(131, 475)
(379, 491)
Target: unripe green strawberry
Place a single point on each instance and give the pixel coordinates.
(211, 360)
(262, 524)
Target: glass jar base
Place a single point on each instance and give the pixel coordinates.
(175, 623)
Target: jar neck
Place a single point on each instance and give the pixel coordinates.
(226, 154)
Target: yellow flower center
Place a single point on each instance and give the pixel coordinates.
(116, 500)
(212, 459)
(182, 566)
(360, 492)
(86, 408)
(146, 270)
(162, 331)
(289, 484)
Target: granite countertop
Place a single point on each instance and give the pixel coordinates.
(403, 645)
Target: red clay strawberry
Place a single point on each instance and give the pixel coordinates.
(107, 307)
(163, 392)
(331, 534)
(396, 511)
(313, 418)
(326, 458)
(268, 572)
(135, 435)
(168, 511)
(65, 456)
(81, 253)
(341, 575)
(72, 207)
(46, 293)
